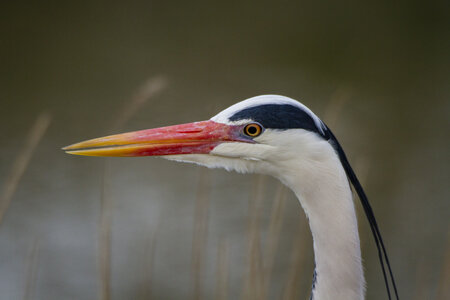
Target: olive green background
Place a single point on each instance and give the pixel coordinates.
(376, 72)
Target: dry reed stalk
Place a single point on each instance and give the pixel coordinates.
(444, 279)
(105, 239)
(200, 231)
(150, 251)
(334, 108)
(276, 222)
(149, 89)
(419, 286)
(254, 281)
(22, 160)
(298, 255)
(32, 270)
(222, 271)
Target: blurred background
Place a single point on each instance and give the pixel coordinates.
(145, 228)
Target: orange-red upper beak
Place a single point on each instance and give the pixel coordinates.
(192, 138)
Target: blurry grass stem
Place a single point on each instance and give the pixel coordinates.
(275, 225)
(254, 281)
(334, 107)
(22, 160)
(444, 281)
(149, 260)
(297, 266)
(200, 231)
(32, 270)
(105, 238)
(149, 89)
(222, 270)
(422, 272)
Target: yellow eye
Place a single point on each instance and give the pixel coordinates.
(253, 129)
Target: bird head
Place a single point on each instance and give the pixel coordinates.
(255, 135)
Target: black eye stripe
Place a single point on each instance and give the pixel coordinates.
(278, 116)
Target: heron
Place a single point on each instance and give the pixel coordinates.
(280, 137)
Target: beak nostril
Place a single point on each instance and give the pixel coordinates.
(190, 131)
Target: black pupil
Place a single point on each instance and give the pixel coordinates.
(252, 130)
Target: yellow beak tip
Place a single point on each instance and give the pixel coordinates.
(65, 148)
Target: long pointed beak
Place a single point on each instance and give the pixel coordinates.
(192, 138)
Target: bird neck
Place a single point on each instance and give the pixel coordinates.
(323, 190)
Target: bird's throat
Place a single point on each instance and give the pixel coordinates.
(326, 197)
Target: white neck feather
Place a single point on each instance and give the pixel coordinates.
(321, 185)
